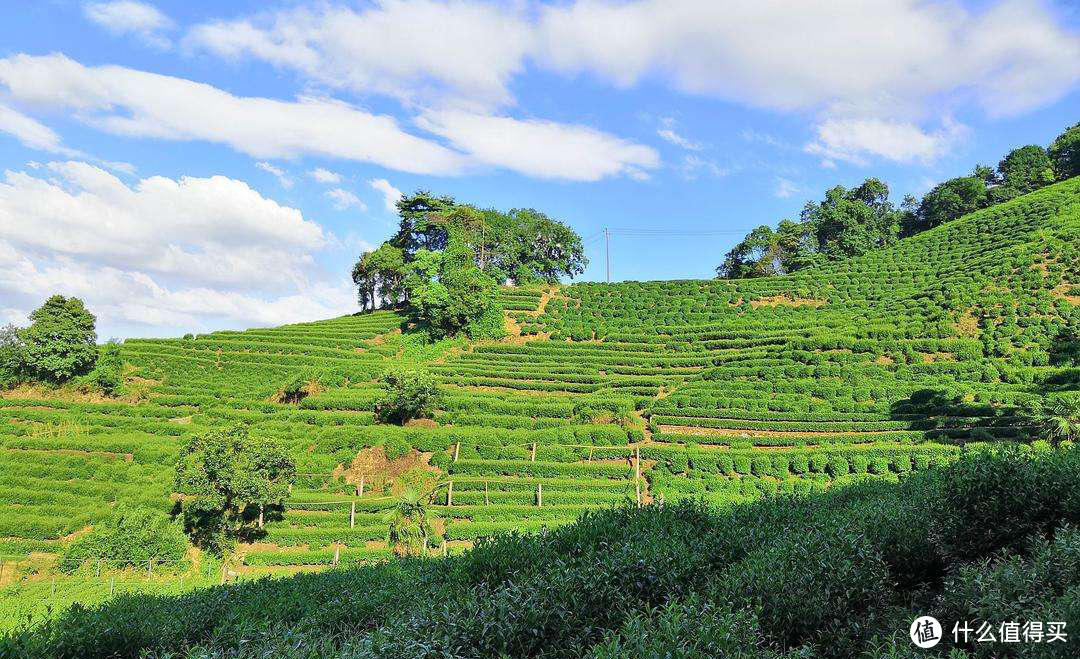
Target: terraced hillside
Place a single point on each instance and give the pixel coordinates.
(723, 390)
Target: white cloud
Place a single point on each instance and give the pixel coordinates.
(32, 133)
(543, 149)
(128, 102)
(419, 50)
(162, 255)
(131, 17)
(783, 55)
(389, 192)
(693, 166)
(668, 133)
(344, 200)
(277, 173)
(325, 176)
(854, 139)
(786, 188)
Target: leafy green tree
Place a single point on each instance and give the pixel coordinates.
(852, 222)
(60, 342)
(527, 246)
(227, 478)
(129, 537)
(1064, 153)
(422, 222)
(946, 202)
(12, 356)
(380, 277)
(407, 394)
(1021, 171)
(448, 293)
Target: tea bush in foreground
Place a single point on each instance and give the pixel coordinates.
(825, 575)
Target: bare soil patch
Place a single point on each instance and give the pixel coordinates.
(785, 301)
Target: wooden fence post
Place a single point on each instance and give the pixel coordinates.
(487, 497)
(150, 568)
(457, 447)
(112, 583)
(260, 515)
(534, 451)
(637, 475)
(450, 493)
(337, 554)
(360, 492)
(539, 495)
(352, 516)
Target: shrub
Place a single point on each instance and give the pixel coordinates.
(407, 394)
(129, 537)
(108, 374)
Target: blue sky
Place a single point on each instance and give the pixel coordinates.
(188, 166)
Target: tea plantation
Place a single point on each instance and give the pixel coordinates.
(664, 395)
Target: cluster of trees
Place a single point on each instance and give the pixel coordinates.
(447, 259)
(850, 222)
(407, 394)
(59, 346)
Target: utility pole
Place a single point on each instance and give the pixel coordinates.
(607, 250)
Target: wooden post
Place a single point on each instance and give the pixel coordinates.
(534, 452)
(444, 547)
(487, 497)
(337, 554)
(539, 495)
(457, 447)
(591, 447)
(150, 568)
(260, 515)
(352, 516)
(360, 493)
(223, 573)
(450, 493)
(112, 583)
(637, 462)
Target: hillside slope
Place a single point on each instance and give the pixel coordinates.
(606, 393)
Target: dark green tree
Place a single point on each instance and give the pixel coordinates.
(1064, 153)
(946, 202)
(448, 293)
(422, 224)
(60, 342)
(12, 357)
(379, 276)
(407, 394)
(853, 222)
(129, 537)
(526, 246)
(1022, 171)
(226, 479)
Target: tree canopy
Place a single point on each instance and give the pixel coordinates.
(407, 394)
(60, 342)
(522, 246)
(223, 474)
(845, 223)
(852, 222)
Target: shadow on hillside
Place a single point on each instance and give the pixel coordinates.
(950, 416)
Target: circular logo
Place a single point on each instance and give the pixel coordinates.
(925, 632)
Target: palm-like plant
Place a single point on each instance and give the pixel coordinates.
(408, 526)
(1061, 418)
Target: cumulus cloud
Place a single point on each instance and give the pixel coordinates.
(324, 176)
(543, 149)
(390, 194)
(135, 103)
(162, 254)
(140, 19)
(418, 51)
